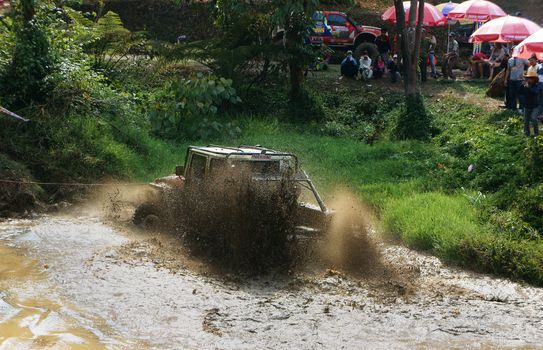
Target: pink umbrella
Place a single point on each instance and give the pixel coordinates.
(432, 16)
(477, 10)
(505, 29)
(532, 44)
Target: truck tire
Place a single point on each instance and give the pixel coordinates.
(146, 214)
(371, 48)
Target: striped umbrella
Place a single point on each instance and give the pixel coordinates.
(505, 29)
(532, 44)
(476, 10)
(432, 16)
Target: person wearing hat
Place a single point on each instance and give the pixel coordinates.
(532, 97)
(532, 64)
(349, 66)
(451, 58)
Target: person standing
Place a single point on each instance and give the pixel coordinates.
(383, 45)
(432, 54)
(532, 61)
(451, 58)
(513, 79)
(531, 91)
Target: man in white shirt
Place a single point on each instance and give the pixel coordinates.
(366, 71)
(451, 58)
(513, 79)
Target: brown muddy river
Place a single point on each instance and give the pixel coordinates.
(77, 282)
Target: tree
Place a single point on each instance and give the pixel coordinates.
(414, 122)
(24, 80)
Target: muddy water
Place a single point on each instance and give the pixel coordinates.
(71, 283)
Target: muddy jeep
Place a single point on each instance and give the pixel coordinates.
(217, 175)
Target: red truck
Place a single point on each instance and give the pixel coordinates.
(337, 30)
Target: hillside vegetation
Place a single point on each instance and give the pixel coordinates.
(105, 106)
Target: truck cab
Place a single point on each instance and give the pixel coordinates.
(221, 166)
(338, 30)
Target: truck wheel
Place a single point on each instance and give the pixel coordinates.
(145, 214)
(369, 47)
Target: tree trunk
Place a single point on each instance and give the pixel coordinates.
(415, 122)
(296, 78)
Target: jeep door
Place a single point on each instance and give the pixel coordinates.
(343, 31)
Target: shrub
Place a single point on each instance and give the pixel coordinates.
(181, 106)
(414, 122)
(24, 80)
(306, 106)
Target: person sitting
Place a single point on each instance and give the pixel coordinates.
(349, 66)
(379, 68)
(365, 66)
(394, 70)
(497, 55)
(473, 61)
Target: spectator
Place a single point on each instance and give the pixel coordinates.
(531, 91)
(383, 45)
(496, 57)
(540, 72)
(349, 66)
(394, 70)
(379, 68)
(423, 60)
(432, 53)
(365, 66)
(451, 58)
(513, 80)
(473, 61)
(532, 67)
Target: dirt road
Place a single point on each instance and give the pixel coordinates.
(78, 283)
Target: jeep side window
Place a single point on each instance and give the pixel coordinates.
(336, 20)
(197, 167)
(217, 166)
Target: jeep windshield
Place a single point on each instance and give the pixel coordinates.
(269, 168)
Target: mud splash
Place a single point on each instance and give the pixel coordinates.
(120, 288)
(347, 245)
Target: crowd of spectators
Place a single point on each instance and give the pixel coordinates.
(522, 79)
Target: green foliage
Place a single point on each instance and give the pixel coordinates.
(24, 79)
(366, 118)
(183, 108)
(305, 106)
(414, 122)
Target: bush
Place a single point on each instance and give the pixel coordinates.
(24, 80)
(414, 122)
(181, 106)
(306, 106)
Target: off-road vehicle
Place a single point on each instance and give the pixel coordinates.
(218, 174)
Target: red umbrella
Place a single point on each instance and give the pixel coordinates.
(432, 16)
(477, 10)
(505, 29)
(532, 44)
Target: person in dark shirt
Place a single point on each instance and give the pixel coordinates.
(383, 45)
(394, 70)
(532, 95)
(349, 66)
